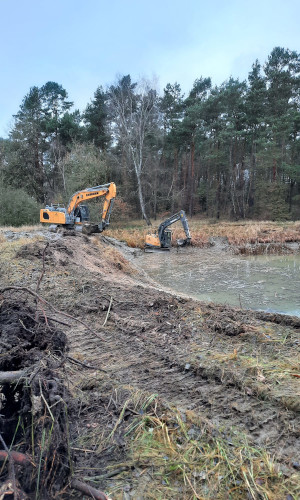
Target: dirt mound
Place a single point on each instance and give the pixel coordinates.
(33, 401)
(38, 250)
(25, 337)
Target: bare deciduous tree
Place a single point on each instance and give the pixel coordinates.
(134, 112)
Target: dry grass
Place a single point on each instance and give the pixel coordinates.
(185, 451)
(134, 237)
(113, 256)
(16, 270)
(238, 234)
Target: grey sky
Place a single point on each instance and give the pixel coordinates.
(82, 44)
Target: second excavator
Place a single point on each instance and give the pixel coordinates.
(162, 240)
(78, 214)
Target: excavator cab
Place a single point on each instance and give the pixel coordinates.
(81, 214)
(166, 241)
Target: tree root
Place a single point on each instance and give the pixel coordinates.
(17, 457)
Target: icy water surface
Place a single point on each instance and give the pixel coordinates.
(270, 283)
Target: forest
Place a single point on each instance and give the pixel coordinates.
(221, 152)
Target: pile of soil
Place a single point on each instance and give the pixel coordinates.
(33, 404)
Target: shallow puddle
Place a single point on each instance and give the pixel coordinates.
(262, 282)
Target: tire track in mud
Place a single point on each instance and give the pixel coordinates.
(139, 351)
(161, 369)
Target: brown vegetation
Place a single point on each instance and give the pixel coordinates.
(242, 236)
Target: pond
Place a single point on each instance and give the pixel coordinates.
(263, 282)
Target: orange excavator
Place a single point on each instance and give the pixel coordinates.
(78, 214)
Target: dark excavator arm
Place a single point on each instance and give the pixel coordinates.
(174, 218)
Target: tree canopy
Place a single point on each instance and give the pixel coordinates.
(229, 151)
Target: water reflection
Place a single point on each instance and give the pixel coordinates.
(270, 283)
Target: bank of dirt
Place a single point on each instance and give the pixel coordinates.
(145, 381)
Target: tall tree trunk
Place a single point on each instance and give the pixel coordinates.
(192, 180)
(141, 200)
(39, 174)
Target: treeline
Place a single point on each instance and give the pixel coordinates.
(223, 151)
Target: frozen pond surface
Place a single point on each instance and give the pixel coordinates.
(264, 282)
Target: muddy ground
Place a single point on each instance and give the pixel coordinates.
(109, 338)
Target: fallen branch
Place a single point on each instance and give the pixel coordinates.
(43, 269)
(108, 311)
(113, 473)
(50, 318)
(9, 377)
(88, 490)
(44, 301)
(90, 367)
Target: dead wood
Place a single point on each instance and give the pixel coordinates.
(88, 490)
(90, 367)
(108, 311)
(43, 269)
(110, 474)
(10, 377)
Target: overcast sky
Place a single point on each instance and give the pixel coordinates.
(82, 44)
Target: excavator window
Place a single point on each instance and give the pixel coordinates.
(168, 237)
(82, 212)
(45, 215)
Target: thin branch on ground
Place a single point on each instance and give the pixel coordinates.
(90, 367)
(108, 311)
(43, 269)
(88, 490)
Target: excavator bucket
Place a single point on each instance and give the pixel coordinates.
(182, 242)
(90, 229)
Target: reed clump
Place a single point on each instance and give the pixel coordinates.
(241, 235)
